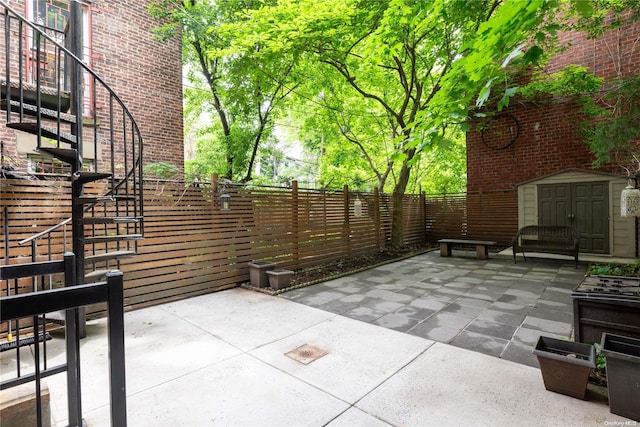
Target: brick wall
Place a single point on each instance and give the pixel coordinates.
(146, 75)
(549, 140)
(614, 52)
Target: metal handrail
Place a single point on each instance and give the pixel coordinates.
(69, 298)
(45, 232)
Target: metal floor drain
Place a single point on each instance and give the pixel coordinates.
(306, 354)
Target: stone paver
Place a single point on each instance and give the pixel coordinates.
(480, 343)
(435, 332)
(493, 329)
(489, 306)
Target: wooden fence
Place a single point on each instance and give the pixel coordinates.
(192, 247)
(485, 216)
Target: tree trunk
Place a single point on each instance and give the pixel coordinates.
(397, 197)
(254, 152)
(229, 173)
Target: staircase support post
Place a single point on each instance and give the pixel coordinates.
(77, 91)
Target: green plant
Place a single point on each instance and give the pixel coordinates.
(162, 170)
(574, 81)
(601, 363)
(613, 269)
(599, 373)
(612, 132)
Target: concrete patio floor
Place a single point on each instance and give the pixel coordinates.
(220, 359)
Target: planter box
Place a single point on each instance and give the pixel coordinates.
(623, 374)
(258, 273)
(18, 408)
(565, 365)
(608, 304)
(279, 279)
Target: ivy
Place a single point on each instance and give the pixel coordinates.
(613, 133)
(574, 81)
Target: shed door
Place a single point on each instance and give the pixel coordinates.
(583, 205)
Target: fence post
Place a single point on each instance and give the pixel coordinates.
(325, 227)
(423, 216)
(376, 216)
(72, 342)
(214, 188)
(115, 331)
(346, 227)
(294, 223)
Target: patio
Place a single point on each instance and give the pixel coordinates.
(219, 359)
(491, 306)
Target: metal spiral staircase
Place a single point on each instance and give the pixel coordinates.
(48, 91)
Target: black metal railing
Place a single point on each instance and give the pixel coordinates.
(30, 307)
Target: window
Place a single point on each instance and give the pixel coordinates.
(52, 17)
(52, 168)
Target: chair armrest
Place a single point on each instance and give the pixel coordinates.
(515, 241)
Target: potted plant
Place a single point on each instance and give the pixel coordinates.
(623, 374)
(565, 365)
(279, 278)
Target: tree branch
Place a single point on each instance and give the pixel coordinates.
(217, 104)
(342, 69)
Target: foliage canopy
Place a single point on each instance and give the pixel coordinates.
(378, 91)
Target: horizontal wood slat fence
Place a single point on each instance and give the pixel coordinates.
(480, 216)
(192, 247)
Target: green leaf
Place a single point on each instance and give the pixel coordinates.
(584, 7)
(506, 96)
(398, 157)
(484, 94)
(533, 55)
(513, 54)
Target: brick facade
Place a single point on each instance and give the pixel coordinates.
(146, 75)
(549, 140)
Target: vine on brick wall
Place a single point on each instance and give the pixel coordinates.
(612, 129)
(614, 135)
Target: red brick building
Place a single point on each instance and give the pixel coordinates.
(146, 75)
(539, 151)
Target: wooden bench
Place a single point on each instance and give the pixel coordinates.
(554, 239)
(481, 246)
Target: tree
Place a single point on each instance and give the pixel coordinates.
(242, 88)
(415, 65)
(353, 145)
(349, 135)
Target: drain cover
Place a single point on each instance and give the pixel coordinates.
(306, 354)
